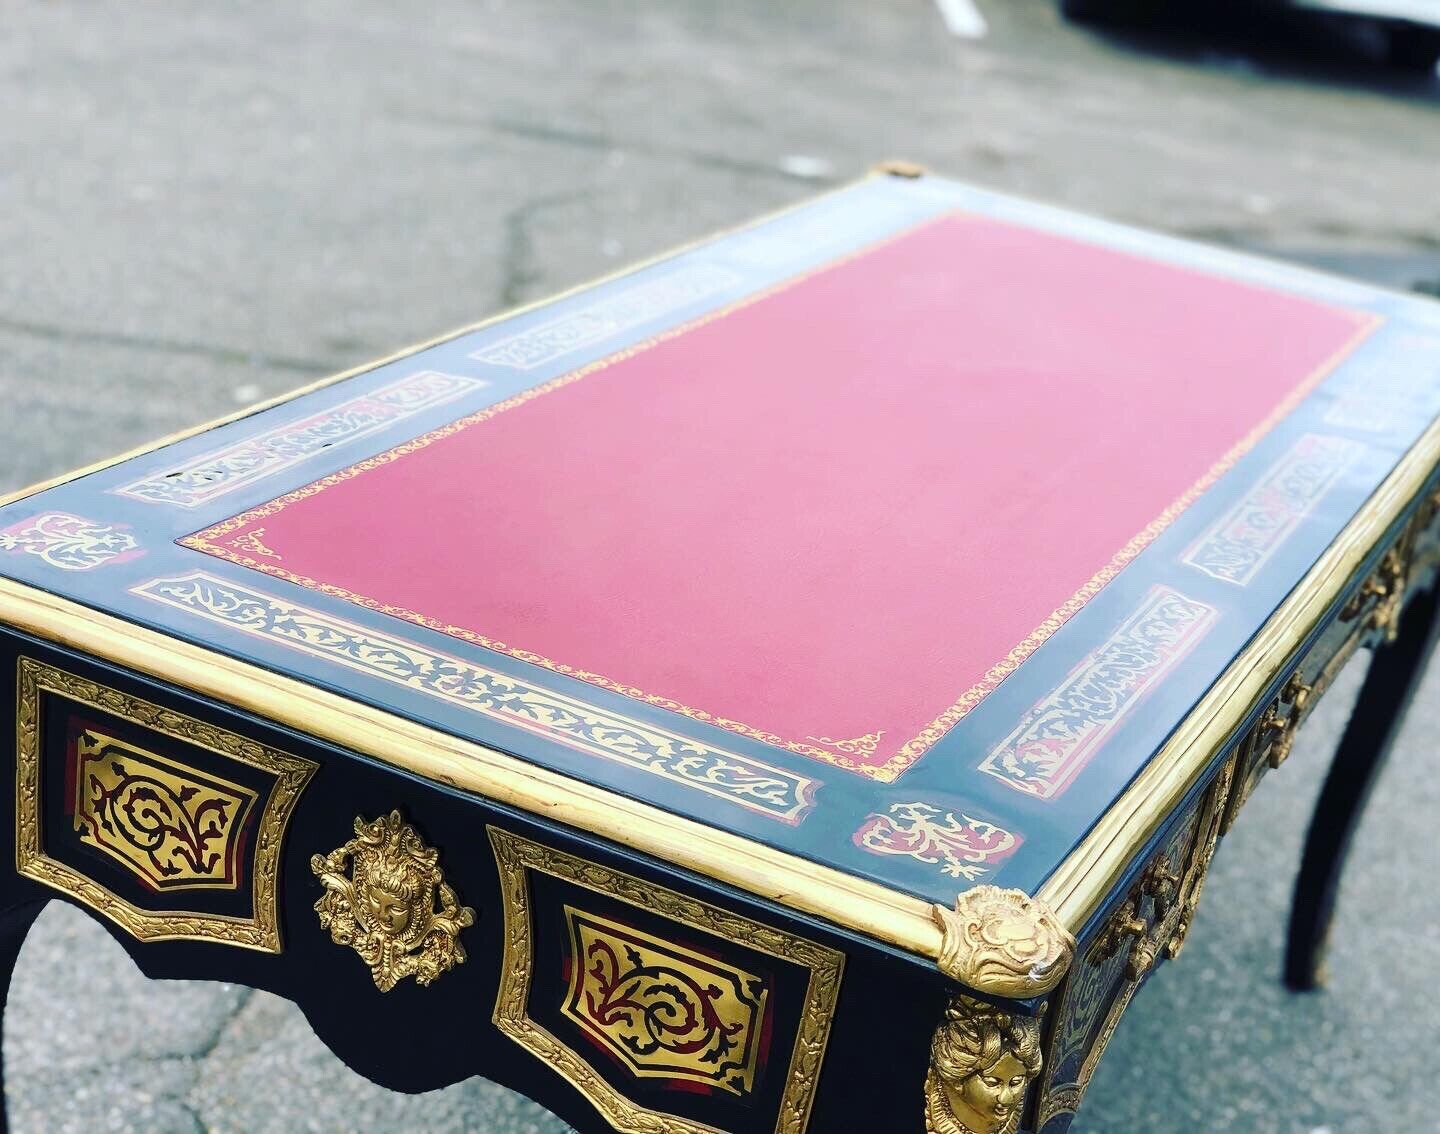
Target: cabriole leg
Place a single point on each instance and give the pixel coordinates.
(1390, 685)
(14, 925)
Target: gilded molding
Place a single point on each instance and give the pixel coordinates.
(1003, 943)
(516, 857)
(261, 931)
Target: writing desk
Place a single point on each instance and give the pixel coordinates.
(798, 684)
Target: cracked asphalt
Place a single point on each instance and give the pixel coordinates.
(202, 206)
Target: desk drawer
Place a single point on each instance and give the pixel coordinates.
(664, 1011)
(167, 825)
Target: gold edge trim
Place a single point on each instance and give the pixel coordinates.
(261, 931)
(515, 855)
(866, 907)
(1082, 881)
(426, 344)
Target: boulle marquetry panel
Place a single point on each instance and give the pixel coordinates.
(663, 1010)
(175, 828)
(670, 1015)
(167, 825)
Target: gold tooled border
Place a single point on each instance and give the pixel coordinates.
(913, 749)
(262, 930)
(515, 855)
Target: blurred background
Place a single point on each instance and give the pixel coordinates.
(203, 206)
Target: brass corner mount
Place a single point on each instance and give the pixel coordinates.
(1003, 943)
(898, 167)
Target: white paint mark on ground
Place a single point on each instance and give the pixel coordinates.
(803, 165)
(963, 18)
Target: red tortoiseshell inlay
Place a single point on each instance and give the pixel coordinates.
(833, 517)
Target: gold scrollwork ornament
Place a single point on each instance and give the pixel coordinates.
(385, 906)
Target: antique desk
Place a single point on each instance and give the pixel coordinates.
(852, 632)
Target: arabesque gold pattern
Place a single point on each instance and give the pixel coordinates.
(516, 856)
(384, 907)
(731, 776)
(844, 753)
(1003, 943)
(662, 1010)
(260, 931)
(173, 828)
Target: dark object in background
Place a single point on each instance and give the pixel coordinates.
(1408, 31)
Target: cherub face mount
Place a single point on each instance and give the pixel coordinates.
(385, 906)
(981, 1063)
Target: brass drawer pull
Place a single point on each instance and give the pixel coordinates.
(1281, 729)
(383, 903)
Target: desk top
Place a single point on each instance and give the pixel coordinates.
(896, 533)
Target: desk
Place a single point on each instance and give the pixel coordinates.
(850, 634)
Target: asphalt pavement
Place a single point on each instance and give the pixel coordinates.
(204, 205)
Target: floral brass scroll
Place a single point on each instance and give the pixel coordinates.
(381, 891)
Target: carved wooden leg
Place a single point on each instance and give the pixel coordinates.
(1389, 687)
(14, 925)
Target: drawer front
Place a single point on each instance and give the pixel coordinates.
(169, 826)
(666, 1012)
(430, 935)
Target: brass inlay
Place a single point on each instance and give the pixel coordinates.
(261, 930)
(662, 1010)
(384, 907)
(170, 826)
(516, 856)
